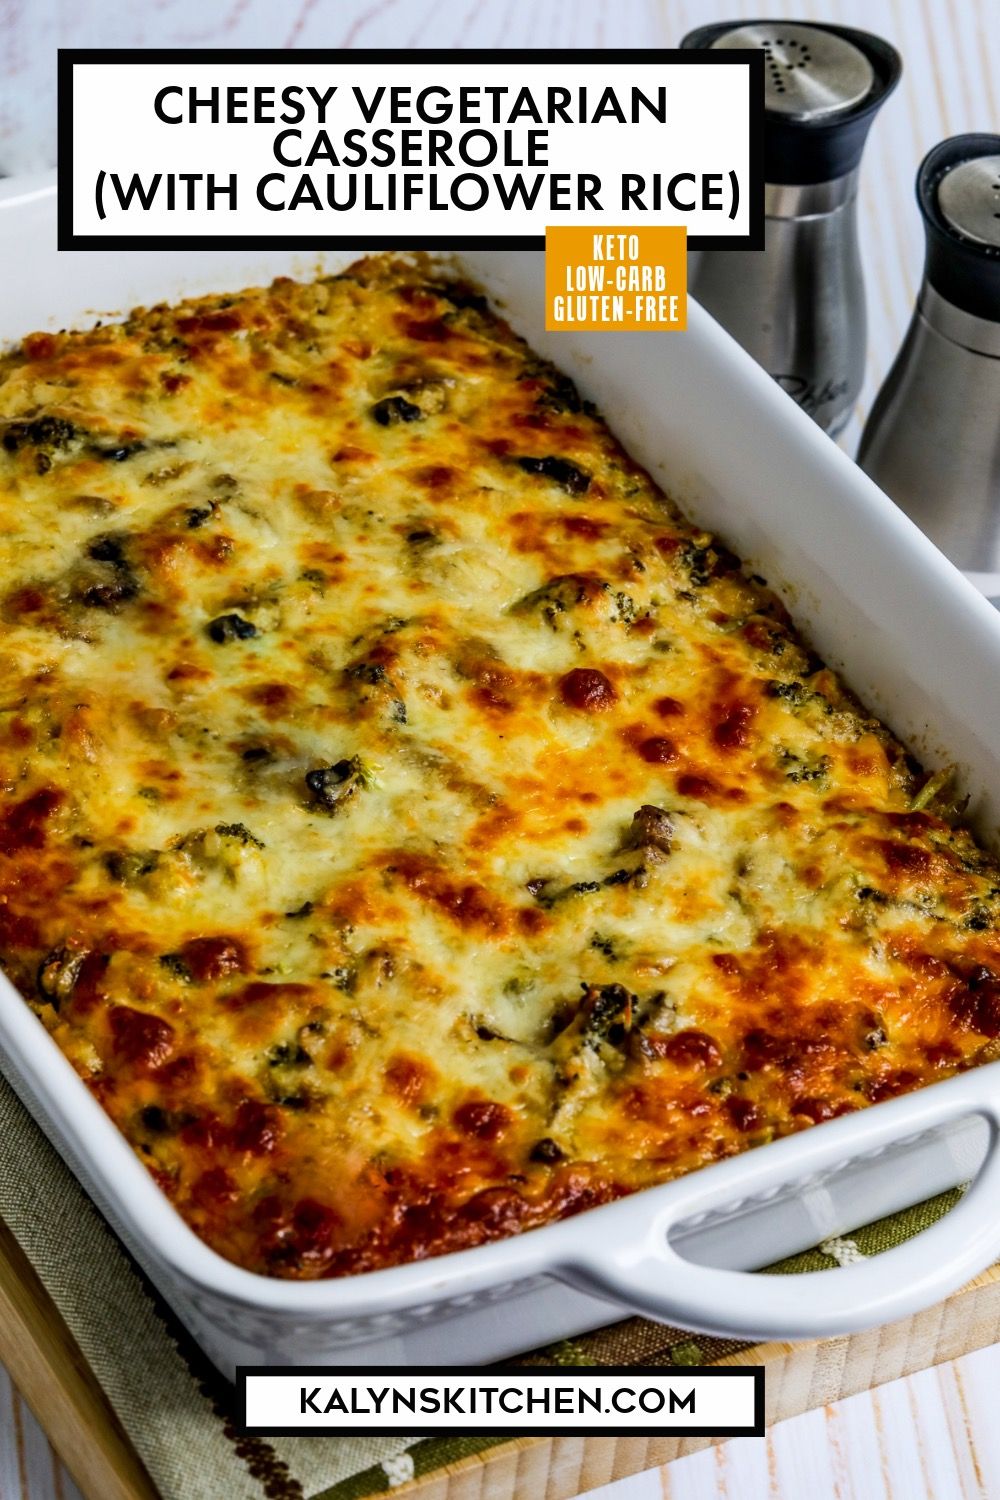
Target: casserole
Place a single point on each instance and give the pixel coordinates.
(412, 830)
(238, 1315)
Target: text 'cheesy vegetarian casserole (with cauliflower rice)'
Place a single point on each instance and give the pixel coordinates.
(410, 828)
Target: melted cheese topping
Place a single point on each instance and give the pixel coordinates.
(411, 829)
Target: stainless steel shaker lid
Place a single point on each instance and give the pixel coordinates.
(969, 199)
(958, 190)
(809, 73)
(822, 88)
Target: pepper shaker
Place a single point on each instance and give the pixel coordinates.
(933, 438)
(798, 305)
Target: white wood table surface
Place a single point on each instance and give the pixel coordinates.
(934, 1434)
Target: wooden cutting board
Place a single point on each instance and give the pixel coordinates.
(46, 1364)
(798, 1378)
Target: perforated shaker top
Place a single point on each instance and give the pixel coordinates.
(823, 87)
(809, 73)
(958, 190)
(969, 199)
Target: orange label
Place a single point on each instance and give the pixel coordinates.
(614, 279)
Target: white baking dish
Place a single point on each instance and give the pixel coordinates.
(918, 644)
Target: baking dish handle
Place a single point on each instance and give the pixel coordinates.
(642, 1269)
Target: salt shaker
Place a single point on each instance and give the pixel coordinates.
(798, 306)
(933, 438)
